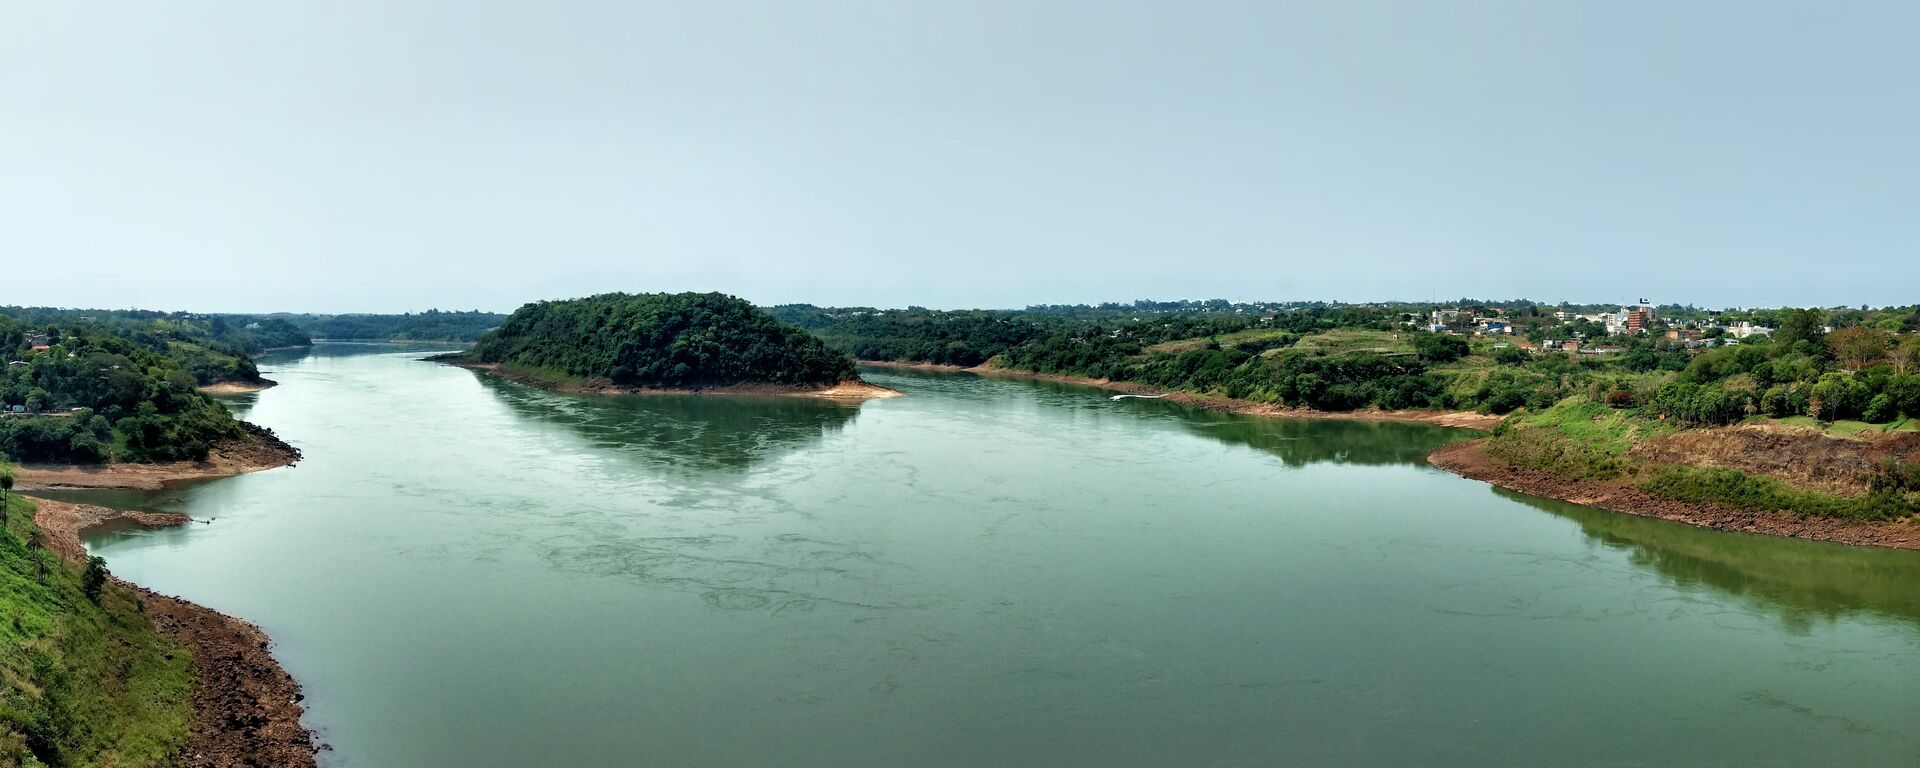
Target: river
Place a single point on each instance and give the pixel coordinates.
(992, 572)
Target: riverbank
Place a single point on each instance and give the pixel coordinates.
(1470, 459)
(260, 450)
(1457, 419)
(239, 387)
(846, 390)
(246, 708)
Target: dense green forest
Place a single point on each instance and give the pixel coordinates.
(84, 678)
(431, 325)
(211, 348)
(678, 340)
(85, 393)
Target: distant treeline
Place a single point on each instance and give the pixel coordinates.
(431, 325)
(87, 392)
(678, 340)
(1354, 356)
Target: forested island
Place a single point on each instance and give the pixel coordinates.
(689, 342)
(1733, 415)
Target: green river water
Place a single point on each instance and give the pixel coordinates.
(467, 572)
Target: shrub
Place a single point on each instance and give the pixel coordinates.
(1880, 410)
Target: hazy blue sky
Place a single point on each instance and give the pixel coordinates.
(401, 154)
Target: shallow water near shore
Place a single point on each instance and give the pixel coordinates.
(465, 571)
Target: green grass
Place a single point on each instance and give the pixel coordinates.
(1346, 341)
(1735, 488)
(1846, 428)
(1595, 425)
(81, 683)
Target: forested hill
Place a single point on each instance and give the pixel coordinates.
(662, 340)
(211, 348)
(85, 394)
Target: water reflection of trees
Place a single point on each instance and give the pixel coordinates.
(1803, 581)
(698, 432)
(1297, 442)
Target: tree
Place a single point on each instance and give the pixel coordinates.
(1859, 348)
(1902, 355)
(1797, 325)
(6, 487)
(95, 578)
(1437, 348)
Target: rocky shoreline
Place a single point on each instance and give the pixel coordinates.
(1470, 459)
(246, 708)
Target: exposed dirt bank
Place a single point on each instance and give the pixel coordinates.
(238, 387)
(1470, 459)
(260, 449)
(846, 390)
(246, 708)
(1804, 457)
(1461, 419)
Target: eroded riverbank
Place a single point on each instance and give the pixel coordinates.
(260, 450)
(246, 708)
(1469, 459)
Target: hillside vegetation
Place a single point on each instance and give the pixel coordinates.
(661, 340)
(1599, 414)
(93, 395)
(209, 347)
(84, 678)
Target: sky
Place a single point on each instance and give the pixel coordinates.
(349, 156)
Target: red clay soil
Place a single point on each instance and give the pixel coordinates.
(1461, 419)
(246, 708)
(1470, 459)
(259, 449)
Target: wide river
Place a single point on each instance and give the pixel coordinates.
(467, 572)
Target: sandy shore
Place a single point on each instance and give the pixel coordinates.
(246, 708)
(846, 390)
(1460, 419)
(238, 387)
(1470, 459)
(261, 449)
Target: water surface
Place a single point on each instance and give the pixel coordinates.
(986, 572)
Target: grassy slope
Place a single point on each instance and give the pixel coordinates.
(1582, 440)
(81, 684)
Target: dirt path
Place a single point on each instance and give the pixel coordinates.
(246, 708)
(1470, 459)
(260, 449)
(1460, 419)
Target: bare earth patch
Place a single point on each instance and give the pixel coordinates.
(1803, 457)
(1470, 459)
(238, 387)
